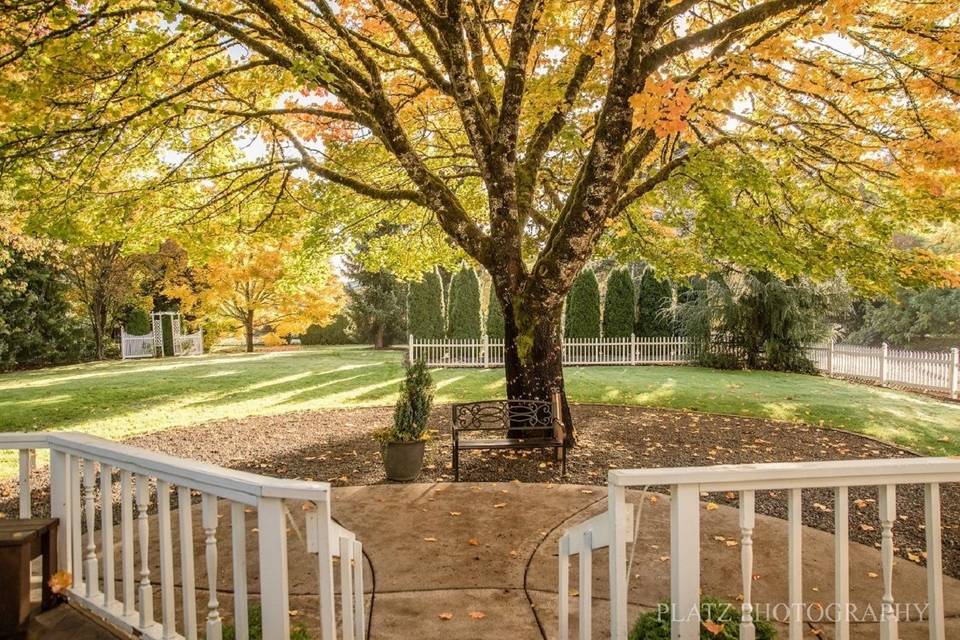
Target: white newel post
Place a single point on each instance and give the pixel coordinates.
(883, 364)
(60, 504)
(685, 562)
(954, 371)
(830, 360)
(410, 347)
(619, 525)
(271, 522)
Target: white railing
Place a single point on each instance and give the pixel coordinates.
(91, 479)
(937, 371)
(614, 528)
(136, 346)
(488, 352)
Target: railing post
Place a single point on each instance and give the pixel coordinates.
(685, 562)
(617, 507)
(328, 621)
(275, 599)
(60, 504)
(830, 360)
(883, 363)
(954, 371)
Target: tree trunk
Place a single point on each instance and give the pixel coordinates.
(248, 329)
(378, 338)
(533, 357)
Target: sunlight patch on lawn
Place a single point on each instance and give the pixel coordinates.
(30, 402)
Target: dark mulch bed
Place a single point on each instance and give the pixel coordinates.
(336, 446)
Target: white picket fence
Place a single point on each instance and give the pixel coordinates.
(613, 529)
(576, 351)
(938, 372)
(145, 346)
(91, 478)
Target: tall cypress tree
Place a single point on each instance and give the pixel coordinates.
(654, 296)
(494, 317)
(582, 315)
(618, 305)
(463, 322)
(425, 307)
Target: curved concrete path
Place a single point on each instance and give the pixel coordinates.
(471, 561)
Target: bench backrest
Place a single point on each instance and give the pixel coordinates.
(526, 418)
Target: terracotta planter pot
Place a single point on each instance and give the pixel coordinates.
(403, 460)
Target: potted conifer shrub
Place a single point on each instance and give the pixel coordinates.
(403, 443)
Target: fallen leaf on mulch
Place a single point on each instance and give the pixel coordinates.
(445, 616)
(477, 615)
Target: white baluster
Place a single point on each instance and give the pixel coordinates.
(145, 590)
(272, 536)
(563, 589)
(187, 577)
(685, 559)
(841, 541)
(586, 586)
(328, 623)
(934, 530)
(238, 531)
(747, 522)
(126, 542)
(795, 562)
(214, 626)
(346, 587)
(76, 528)
(106, 534)
(359, 620)
(26, 466)
(888, 513)
(168, 610)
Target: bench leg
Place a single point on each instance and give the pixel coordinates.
(49, 544)
(15, 591)
(456, 463)
(563, 468)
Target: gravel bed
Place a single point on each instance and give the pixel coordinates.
(336, 446)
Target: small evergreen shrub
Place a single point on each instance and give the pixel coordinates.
(719, 621)
(337, 332)
(298, 630)
(425, 316)
(618, 305)
(582, 314)
(412, 410)
(495, 330)
(464, 309)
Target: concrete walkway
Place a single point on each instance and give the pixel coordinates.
(471, 561)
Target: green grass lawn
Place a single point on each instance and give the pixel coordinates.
(120, 399)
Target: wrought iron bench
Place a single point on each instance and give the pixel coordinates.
(524, 424)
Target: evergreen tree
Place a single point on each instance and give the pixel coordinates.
(464, 310)
(618, 305)
(494, 317)
(654, 296)
(376, 306)
(425, 317)
(582, 315)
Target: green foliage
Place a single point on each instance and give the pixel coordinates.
(765, 320)
(425, 315)
(412, 410)
(495, 328)
(618, 305)
(36, 324)
(337, 332)
(655, 625)
(137, 321)
(654, 299)
(464, 309)
(582, 315)
(911, 316)
(377, 307)
(298, 630)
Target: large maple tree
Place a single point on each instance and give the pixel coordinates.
(798, 134)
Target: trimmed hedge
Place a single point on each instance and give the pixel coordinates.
(495, 328)
(582, 315)
(463, 314)
(619, 305)
(425, 317)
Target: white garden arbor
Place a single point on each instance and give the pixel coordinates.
(151, 345)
